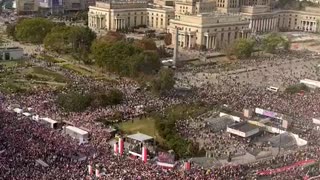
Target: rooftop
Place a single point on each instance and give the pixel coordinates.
(243, 126)
(140, 137)
(78, 130)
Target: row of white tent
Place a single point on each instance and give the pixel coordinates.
(310, 83)
(77, 133)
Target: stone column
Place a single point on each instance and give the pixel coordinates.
(266, 25)
(207, 42)
(189, 41)
(101, 26)
(117, 20)
(214, 41)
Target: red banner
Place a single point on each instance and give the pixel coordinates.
(285, 168)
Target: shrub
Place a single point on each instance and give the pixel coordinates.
(297, 88)
(102, 99)
(74, 101)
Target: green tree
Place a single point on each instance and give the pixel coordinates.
(70, 39)
(112, 37)
(114, 57)
(115, 54)
(147, 63)
(146, 44)
(58, 40)
(81, 39)
(74, 101)
(297, 88)
(10, 30)
(33, 30)
(168, 39)
(243, 48)
(164, 82)
(274, 41)
(103, 99)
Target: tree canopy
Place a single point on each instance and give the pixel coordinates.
(164, 82)
(10, 30)
(115, 54)
(77, 101)
(146, 44)
(33, 30)
(70, 39)
(243, 48)
(274, 41)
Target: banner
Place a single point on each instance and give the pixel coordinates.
(285, 168)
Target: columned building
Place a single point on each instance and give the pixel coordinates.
(119, 15)
(210, 31)
(211, 24)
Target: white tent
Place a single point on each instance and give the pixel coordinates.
(18, 110)
(27, 114)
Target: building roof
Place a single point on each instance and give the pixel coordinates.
(77, 130)
(140, 137)
(49, 120)
(243, 126)
(284, 140)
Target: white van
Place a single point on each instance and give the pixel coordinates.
(272, 89)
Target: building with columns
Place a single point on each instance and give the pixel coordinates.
(213, 24)
(209, 30)
(119, 15)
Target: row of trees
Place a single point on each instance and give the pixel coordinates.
(70, 39)
(56, 37)
(128, 58)
(243, 48)
(166, 126)
(137, 59)
(76, 101)
(112, 52)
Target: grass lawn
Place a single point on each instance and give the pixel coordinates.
(11, 63)
(77, 69)
(144, 125)
(40, 73)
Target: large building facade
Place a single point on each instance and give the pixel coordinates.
(27, 6)
(119, 15)
(51, 6)
(212, 24)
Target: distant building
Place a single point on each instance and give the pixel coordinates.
(27, 6)
(52, 6)
(119, 15)
(11, 53)
(210, 24)
(74, 5)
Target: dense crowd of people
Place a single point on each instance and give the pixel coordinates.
(23, 141)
